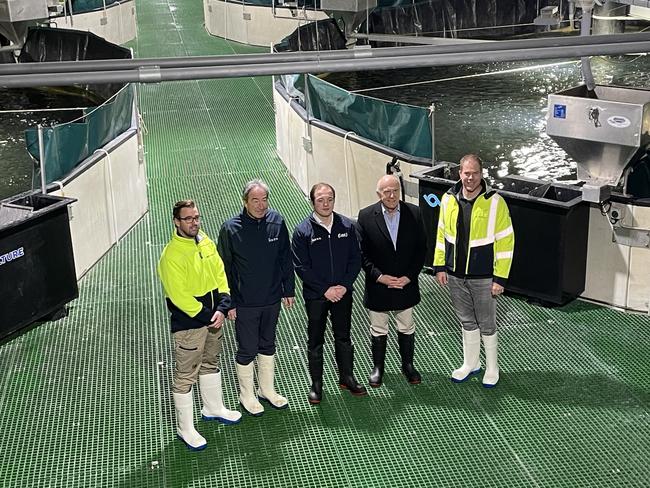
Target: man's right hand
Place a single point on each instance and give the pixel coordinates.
(441, 276)
(217, 320)
(232, 314)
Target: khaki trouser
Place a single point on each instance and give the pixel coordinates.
(403, 320)
(196, 352)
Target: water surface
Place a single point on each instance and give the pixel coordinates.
(498, 109)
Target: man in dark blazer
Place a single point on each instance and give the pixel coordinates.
(393, 248)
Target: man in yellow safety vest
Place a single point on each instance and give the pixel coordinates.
(473, 255)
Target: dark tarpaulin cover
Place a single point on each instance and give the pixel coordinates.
(449, 18)
(322, 35)
(45, 44)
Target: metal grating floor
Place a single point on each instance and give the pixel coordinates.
(85, 401)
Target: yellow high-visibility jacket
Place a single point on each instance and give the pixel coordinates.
(491, 236)
(194, 279)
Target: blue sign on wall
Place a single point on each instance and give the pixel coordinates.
(559, 111)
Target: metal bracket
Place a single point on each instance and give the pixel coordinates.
(306, 144)
(149, 74)
(628, 236)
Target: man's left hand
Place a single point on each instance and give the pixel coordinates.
(497, 289)
(401, 282)
(288, 301)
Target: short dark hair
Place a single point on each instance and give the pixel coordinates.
(182, 204)
(317, 186)
(471, 157)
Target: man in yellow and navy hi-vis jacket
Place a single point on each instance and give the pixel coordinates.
(198, 298)
(474, 249)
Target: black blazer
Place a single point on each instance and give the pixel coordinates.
(380, 257)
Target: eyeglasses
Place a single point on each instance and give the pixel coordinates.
(188, 220)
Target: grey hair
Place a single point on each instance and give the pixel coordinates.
(251, 185)
(379, 180)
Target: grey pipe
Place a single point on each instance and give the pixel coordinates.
(244, 59)
(155, 74)
(585, 30)
(636, 3)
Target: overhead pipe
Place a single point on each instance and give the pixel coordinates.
(156, 74)
(636, 3)
(267, 58)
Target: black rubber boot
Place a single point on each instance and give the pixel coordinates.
(406, 350)
(315, 359)
(345, 360)
(378, 348)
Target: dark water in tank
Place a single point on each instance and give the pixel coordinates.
(499, 109)
(18, 112)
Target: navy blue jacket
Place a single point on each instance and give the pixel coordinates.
(257, 258)
(323, 259)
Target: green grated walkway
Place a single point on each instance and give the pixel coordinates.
(85, 401)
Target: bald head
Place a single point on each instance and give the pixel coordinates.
(387, 181)
(388, 191)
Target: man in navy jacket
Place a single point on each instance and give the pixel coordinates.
(256, 254)
(327, 259)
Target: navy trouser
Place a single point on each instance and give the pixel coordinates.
(340, 314)
(255, 331)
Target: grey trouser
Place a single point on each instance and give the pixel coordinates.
(196, 353)
(474, 304)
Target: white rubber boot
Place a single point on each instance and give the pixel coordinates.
(213, 408)
(491, 346)
(471, 356)
(247, 396)
(266, 375)
(185, 422)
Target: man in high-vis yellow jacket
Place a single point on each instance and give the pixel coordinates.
(474, 249)
(198, 299)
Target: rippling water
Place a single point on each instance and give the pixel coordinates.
(497, 110)
(16, 167)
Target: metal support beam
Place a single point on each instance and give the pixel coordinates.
(277, 58)
(320, 66)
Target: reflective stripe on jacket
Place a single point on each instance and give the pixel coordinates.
(491, 236)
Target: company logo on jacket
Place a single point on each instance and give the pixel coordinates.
(273, 239)
(343, 234)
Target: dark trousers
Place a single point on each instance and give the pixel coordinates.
(340, 314)
(255, 331)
